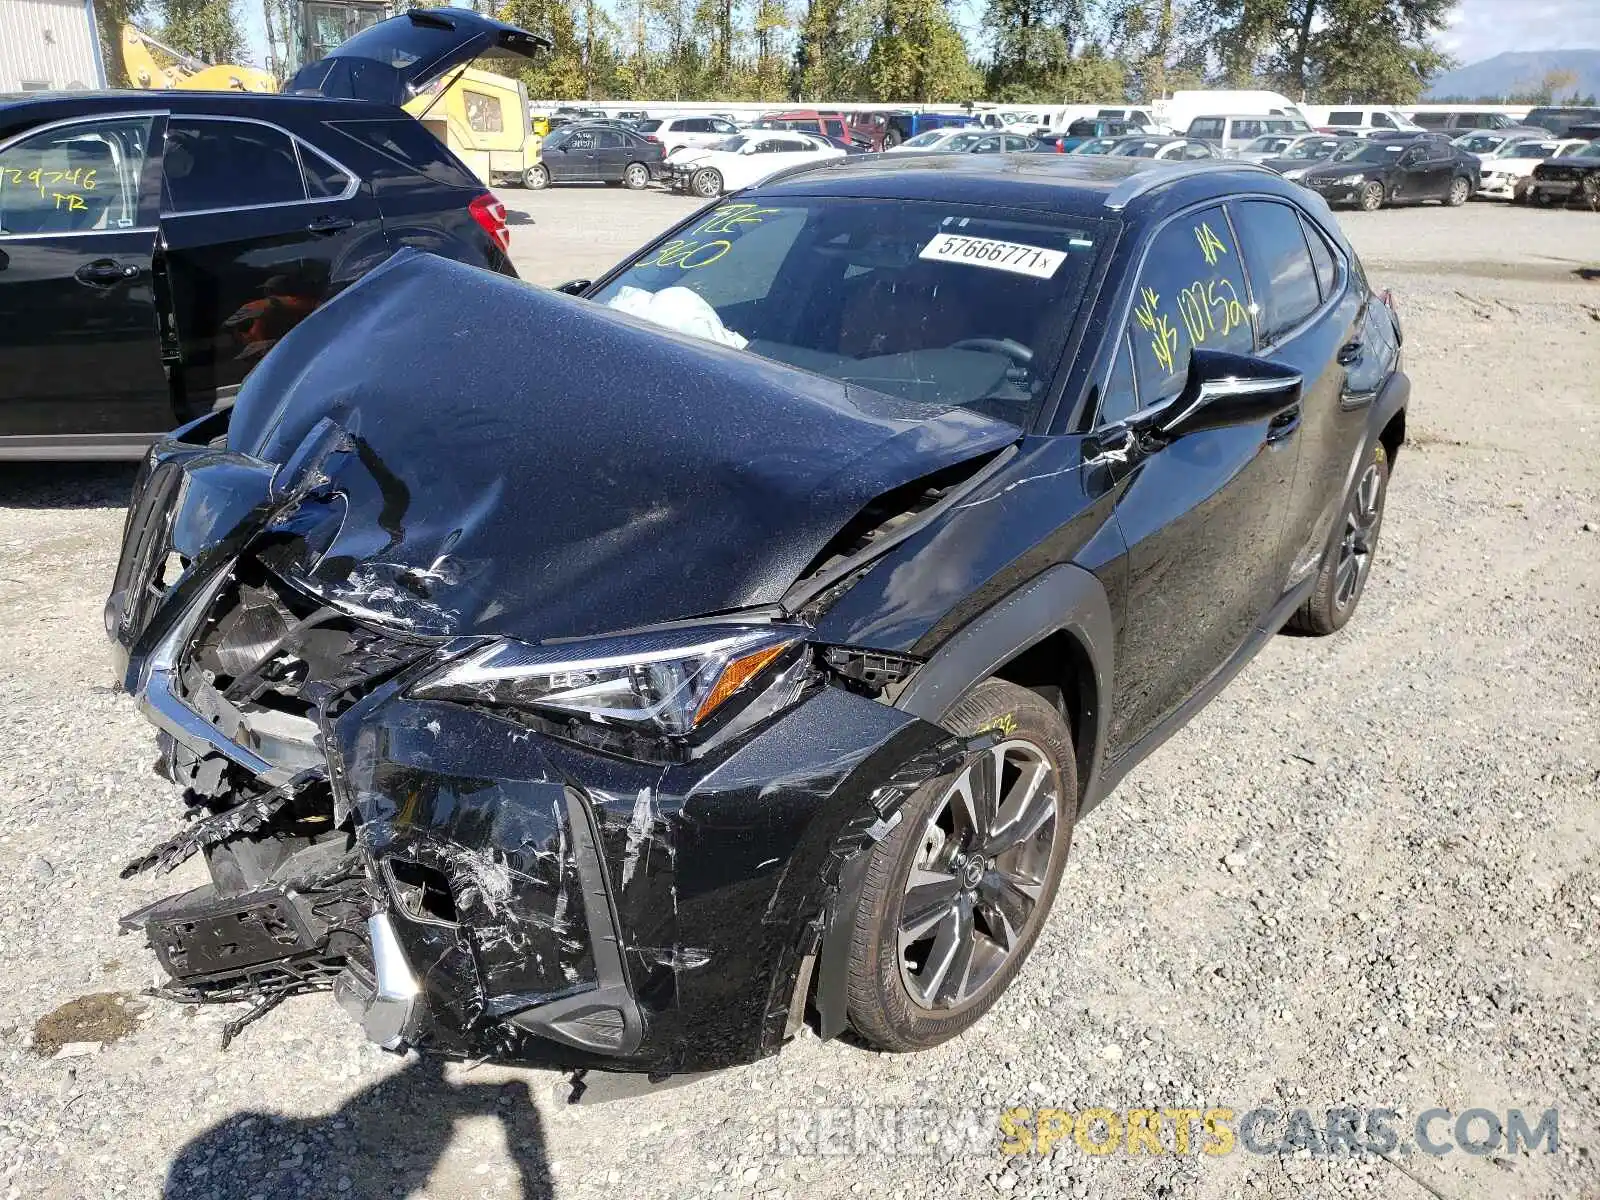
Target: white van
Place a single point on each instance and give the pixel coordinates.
(1184, 107)
(1361, 119)
(1232, 132)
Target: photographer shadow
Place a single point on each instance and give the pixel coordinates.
(385, 1141)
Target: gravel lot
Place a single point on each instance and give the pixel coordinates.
(1368, 874)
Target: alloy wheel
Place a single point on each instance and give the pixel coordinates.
(979, 875)
(636, 176)
(1356, 547)
(707, 183)
(1458, 192)
(537, 176)
(1372, 197)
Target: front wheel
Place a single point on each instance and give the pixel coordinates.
(1347, 562)
(1460, 189)
(1371, 197)
(1591, 193)
(636, 176)
(707, 182)
(1542, 198)
(955, 897)
(536, 176)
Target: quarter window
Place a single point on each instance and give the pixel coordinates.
(1191, 292)
(228, 164)
(1280, 266)
(1321, 259)
(1121, 400)
(323, 180)
(77, 179)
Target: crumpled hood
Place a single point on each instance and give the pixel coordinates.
(523, 463)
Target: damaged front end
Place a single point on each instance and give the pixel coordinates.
(488, 836)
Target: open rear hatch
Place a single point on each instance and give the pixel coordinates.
(392, 61)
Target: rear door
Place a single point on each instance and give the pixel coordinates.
(1203, 516)
(80, 347)
(610, 155)
(258, 228)
(1309, 317)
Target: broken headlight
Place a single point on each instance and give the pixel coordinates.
(662, 684)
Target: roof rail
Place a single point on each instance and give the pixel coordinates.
(1134, 186)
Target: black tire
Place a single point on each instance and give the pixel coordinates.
(892, 138)
(1460, 192)
(636, 177)
(1371, 198)
(1352, 547)
(1542, 198)
(1590, 193)
(883, 1009)
(536, 177)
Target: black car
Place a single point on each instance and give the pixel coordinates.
(1372, 172)
(154, 245)
(1571, 178)
(1560, 119)
(1306, 152)
(651, 693)
(596, 153)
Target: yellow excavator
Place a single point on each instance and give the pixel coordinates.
(186, 71)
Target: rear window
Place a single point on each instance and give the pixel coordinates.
(407, 145)
(648, 126)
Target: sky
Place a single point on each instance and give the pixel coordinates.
(1479, 29)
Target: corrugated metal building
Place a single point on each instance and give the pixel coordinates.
(48, 44)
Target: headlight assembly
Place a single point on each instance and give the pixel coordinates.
(1358, 177)
(663, 685)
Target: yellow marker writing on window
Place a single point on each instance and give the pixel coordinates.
(1210, 244)
(1163, 337)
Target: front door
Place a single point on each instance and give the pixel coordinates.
(1202, 516)
(258, 229)
(80, 346)
(573, 159)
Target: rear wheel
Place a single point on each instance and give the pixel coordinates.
(707, 182)
(955, 897)
(1371, 199)
(892, 138)
(536, 176)
(636, 176)
(1342, 577)
(1460, 189)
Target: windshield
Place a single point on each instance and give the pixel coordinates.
(1096, 146)
(1480, 143)
(1270, 144)
(1364, 151)
(1592, 150)
(1312, 148)
(925, 139)
(1139, 149)
(734, 144)
(932, 302)
(1529, 150)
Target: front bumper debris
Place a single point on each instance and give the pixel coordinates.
(461, 882)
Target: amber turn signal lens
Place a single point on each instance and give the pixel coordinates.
(735, 675)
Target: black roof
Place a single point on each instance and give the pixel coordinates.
(1084, 185)
(19, 111)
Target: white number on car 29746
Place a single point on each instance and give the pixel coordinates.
(999, 256)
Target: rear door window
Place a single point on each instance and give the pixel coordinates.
(211, 164)
(1347, 116)
(1206, 127)
(1284, 279)
(1246, 130)
(1191, 293)
(74, 179)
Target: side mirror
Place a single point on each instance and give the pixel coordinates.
(573, 287)
(1228, 389)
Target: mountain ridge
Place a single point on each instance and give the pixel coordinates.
(1519, 71)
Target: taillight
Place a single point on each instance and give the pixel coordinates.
(491, 214)
(1060, 149)
(650, 137)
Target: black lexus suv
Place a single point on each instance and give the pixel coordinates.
(749, 659)
(155, 244)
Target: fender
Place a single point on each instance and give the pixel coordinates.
(1064, 598)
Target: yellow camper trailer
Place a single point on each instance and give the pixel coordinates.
(483, 118)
